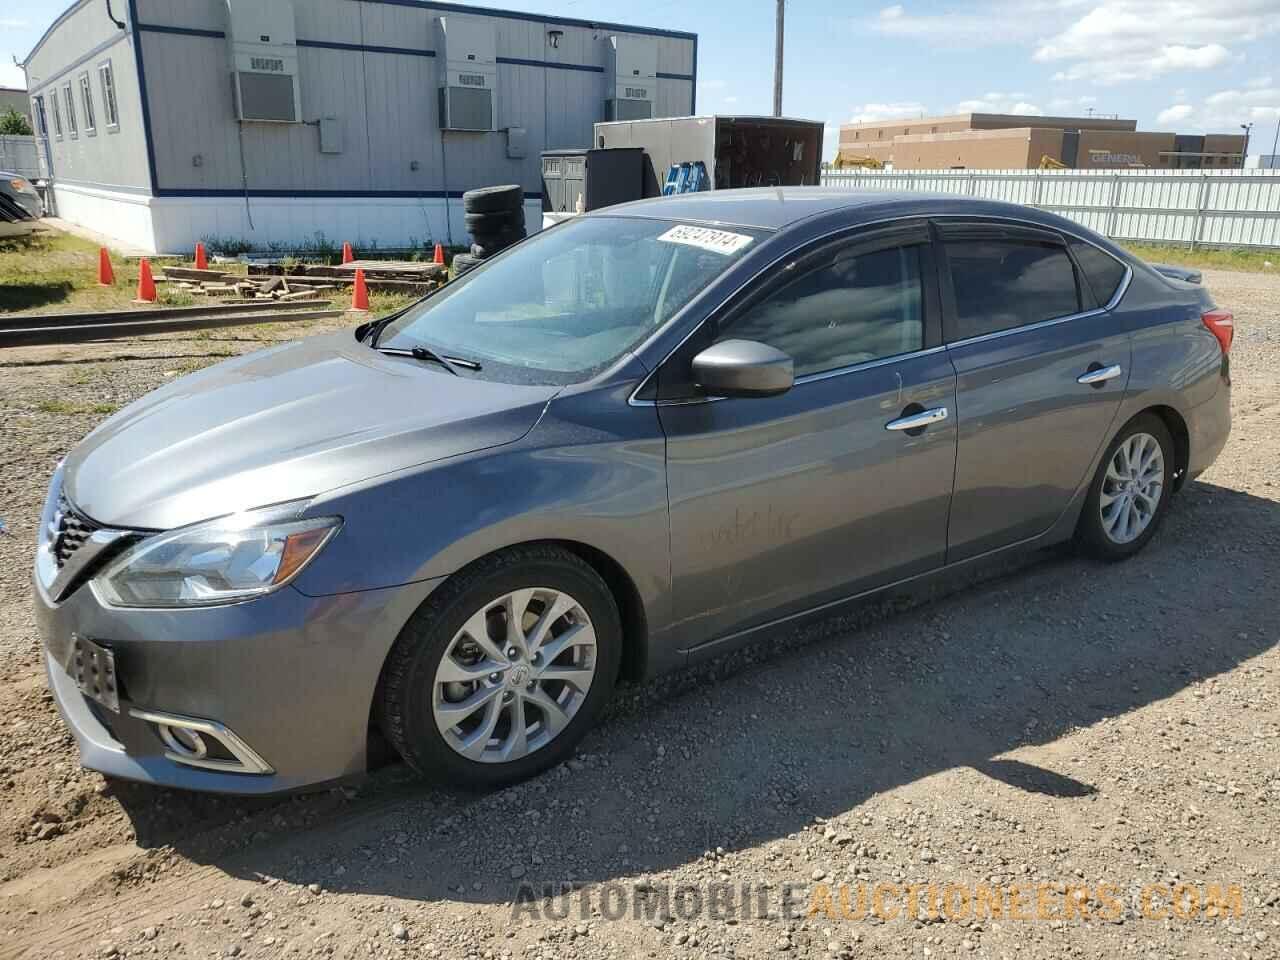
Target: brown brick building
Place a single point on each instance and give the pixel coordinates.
(1007, 141)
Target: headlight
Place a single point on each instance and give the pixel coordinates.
(232, 558)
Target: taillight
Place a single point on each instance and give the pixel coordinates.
(1222, 325)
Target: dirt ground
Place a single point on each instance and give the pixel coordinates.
(1085, 740)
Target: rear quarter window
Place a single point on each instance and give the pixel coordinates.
(1103, 272)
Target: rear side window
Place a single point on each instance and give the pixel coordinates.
(1102, 271)
(842, 311)
(1003, 283)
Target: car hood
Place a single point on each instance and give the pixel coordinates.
(282, 424)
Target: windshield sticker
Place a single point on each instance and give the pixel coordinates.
(717, 241)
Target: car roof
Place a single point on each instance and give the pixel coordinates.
(773, 208)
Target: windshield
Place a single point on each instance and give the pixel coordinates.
(569, 301)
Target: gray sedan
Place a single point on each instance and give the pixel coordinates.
(639, 438)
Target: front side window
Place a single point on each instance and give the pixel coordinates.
(571, 300)
(37, 110)
(57, 114)
(1002, 283)
(107, 79)
(86, 102)
(69, 102)
(846, 309)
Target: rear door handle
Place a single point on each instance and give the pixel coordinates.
(1101, 375)
(918, 421)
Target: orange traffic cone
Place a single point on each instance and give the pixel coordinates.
(439, 257)
(360, 295)
(202, 263)
(146, 285)
(106, 276)
(347, 255)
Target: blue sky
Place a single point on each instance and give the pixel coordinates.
(1177, 65)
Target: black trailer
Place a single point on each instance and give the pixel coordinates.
(735, 151)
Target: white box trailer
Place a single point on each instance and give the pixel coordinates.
(736, 151)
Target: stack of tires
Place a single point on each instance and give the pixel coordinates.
(495, 220)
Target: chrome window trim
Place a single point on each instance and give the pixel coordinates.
(868, 364)
(976, 217)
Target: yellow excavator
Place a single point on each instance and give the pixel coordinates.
(1052, 163)
(846, 161)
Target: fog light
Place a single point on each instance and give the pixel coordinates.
(183, 741)
(203, 743)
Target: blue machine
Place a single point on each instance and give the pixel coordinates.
(686, 178)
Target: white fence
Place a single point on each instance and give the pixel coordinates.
(1211, 207)
(18, 155)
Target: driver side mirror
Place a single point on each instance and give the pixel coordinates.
(743, 368)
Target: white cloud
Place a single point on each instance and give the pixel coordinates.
(13, 23)
(966, 25)
(1175, 114)
(871, 112)
(730, 99)
(1120, 41)
(1226, 110)
(999, 103)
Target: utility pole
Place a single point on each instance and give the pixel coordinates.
(777, 61)
(1275, 141)
(1244, 154)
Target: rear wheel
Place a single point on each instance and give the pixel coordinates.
(504, 669)
(1130, 492)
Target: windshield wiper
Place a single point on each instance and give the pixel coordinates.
(422, 353)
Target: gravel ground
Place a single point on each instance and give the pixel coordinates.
(1068, 729)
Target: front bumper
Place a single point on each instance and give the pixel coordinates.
(292, 676)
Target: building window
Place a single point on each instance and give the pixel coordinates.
(69, 102)
(57, 114)
(86, 104)
(108, 82)
(37, 111)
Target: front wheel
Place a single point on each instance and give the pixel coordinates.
(504, 669)
(1130, 492)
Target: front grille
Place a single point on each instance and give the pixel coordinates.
(71, 529)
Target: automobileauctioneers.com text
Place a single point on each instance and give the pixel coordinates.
(886, 901)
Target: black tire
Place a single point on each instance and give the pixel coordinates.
(493, 199)
(462, 262)
(406, 689)
(486, 246)
(494, 222)
(1091, 532)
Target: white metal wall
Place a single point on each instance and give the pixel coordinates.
(1210, 207)
(18, 155)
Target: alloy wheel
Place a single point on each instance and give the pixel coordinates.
(515, 674)
(1132, 488)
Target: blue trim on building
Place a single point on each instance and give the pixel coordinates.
(326, 194)
(693, 98)
(675, 76)
(96, 51)
(142, 90)
(366, 48)
(550, 64)
(180, 31)
(535, 18)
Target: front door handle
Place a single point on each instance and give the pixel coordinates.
(918, 421)
(1100, 375)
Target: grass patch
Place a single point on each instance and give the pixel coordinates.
(53, 272)
(1214, 258)
(381, 303)
(67, 408)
